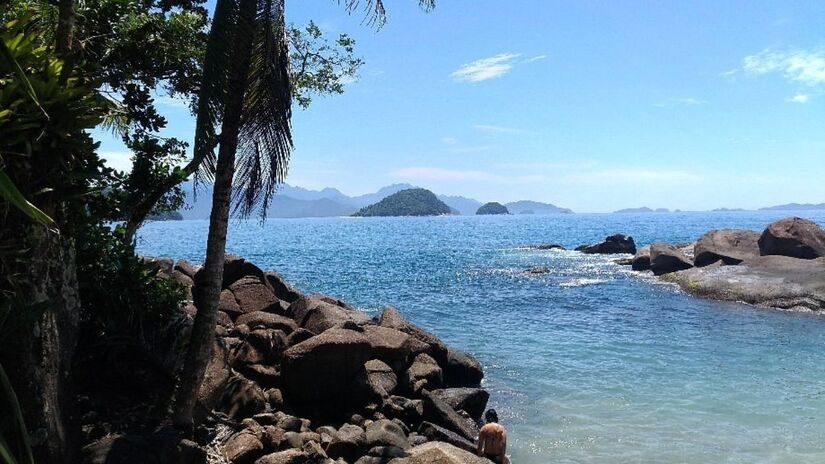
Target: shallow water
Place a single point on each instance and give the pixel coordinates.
(588, 363)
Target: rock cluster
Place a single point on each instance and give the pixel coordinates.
(781, 267)
(613, 244)
(309, 379)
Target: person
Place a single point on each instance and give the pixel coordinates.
(492, 439)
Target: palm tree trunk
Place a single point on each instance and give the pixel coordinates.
(203, 330)
(65, 28)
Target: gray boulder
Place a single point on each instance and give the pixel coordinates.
(731, 246)
(794, 237)
(641, 260)
(317, 314)
(440, 413)
(612, 244)
(423, 373)
(665, 259)
(462, 370)
(348, 443)
(392, 318)
(471, 400)
(386, 433)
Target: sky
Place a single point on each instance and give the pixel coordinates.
(588, 105)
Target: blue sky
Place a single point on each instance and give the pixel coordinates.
(593, 106)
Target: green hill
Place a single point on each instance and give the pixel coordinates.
(493, 208)
(410, 202)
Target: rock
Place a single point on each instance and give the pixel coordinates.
(393, 346)
(228, 304)
(624, 261)
(282, 290)
(190, 452)
(319, 372)
(292, 440)
(548, 246)
(641, 260)
(317, 314)
(409, 411)
(382, 455)
(159, 263)
(184, 280)
(347, 443)
(157, 448)
(252, 295)
(289, 423)
(538, 270)
(315, 453)
(433, 432)
(243, 448)
(440, 413)
(272, 437)
(381, 375)
(267, 376)
(617, 243)
(187, 268)
(794, 237)
(731, 246)
(275, 398)
(471, 400)
(261, 319)
(386, 433)
(217, 375)
(769, 281)
(423, 373)
(441, 453)
(224, 320)
(298, 336)
(667, 258)
(241, 398)
(390, 317)
(290, 456)
(462, 370)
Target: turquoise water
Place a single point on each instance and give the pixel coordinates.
(589, 363)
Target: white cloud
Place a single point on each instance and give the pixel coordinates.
(120, 160)
(805, 66)
(535, 58)
(485, 68)
(799, 98)
(682, 101)
(498, 129)
(172, 102)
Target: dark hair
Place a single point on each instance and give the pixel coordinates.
(491, 415)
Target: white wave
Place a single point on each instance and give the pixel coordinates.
(582, 281)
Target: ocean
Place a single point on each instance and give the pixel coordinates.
(586, 363)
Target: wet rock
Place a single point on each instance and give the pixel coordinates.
(665, 259)
(617, 243)
(462, 370)
(731, 246)
(548, 246)
(641, 260)
(471, 400)
(794, 237)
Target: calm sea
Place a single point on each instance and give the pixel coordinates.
(588, 363)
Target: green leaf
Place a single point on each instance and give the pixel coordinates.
(7, 55)
(8, 396)
(9, 191)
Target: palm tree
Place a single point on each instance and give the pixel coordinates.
(246, 89)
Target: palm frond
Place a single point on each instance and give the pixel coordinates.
(375, 13)
(265, 137)
(213, 91)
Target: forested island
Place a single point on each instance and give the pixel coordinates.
(410, 202)
(492, 208)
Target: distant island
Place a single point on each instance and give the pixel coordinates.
(795, 207)
(535, 207)
(643, 209)
(492, 208)
(410, 202)
(166, 216)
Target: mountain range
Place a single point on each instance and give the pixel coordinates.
(294, 202)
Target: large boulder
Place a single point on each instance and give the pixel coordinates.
(731, 246)
(319, 373)
(348, 443)
(290, 456)
(612, 244)
(253, 294)
(794, 237)
(440, 413)
(462, 370)
(473, 401)
(393, 346)
(282, 290)
(392, 318)
(641, 260)
(665, 259)
(243, 448)
(433, 432)
(385, 432)
(423, 373)
(437, 452)
(228, 304)
(381, 376)
(317, 314)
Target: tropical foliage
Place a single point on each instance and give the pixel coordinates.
(410, 202)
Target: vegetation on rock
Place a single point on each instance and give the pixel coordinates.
(492, 208)
(410, 202)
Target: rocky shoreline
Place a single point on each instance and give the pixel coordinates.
(781, 267)
(298, 378)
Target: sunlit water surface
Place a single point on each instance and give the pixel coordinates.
(589, 363)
